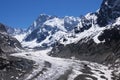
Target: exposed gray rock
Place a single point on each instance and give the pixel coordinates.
(11, 68)
(108, 51)
(2, 28)
(109, 11)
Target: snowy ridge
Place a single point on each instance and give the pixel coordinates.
(54, 29)
(46, 32)
(56, 22)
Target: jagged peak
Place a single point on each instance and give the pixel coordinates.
(43, 14)
(2, 28)
(109, 11)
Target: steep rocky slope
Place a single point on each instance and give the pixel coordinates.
(109, 11)
(11, 67)
(8, 43)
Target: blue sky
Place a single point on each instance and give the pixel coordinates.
(21, 13)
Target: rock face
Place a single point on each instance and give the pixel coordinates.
(92, 51)
(8, 43)
(11, 67)
(2, 28)
(109, 11)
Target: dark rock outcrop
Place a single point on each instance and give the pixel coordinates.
(2, 28)
(11, 68)
(109, 11)
(8, 44)
(15, 68)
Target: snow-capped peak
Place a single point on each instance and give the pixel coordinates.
(46, 29)
(56, 22)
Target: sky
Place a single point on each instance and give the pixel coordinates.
(22, 13)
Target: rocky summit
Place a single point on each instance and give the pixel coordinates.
(109, 11)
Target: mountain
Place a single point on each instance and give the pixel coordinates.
(13, 31)
(2, 28)
(76, 48)
(46, 30)
(109, 11)
(100, 43)
(8, 43)
(10, 65)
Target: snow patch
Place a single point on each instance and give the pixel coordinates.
(20, 37)
(117, 22)
(56, 22)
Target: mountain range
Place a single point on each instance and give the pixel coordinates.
(69, 40)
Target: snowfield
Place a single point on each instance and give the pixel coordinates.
(53, 68)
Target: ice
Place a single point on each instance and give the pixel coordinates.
(59, 66)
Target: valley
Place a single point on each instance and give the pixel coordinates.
(64, 48)
(53, 68)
